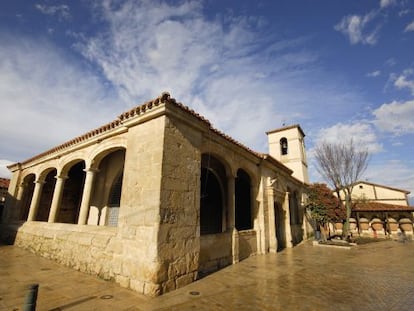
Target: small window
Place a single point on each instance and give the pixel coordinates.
(361, 186)
(283, 146)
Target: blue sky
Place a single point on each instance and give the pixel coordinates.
(340, 69)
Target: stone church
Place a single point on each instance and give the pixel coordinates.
(158, 198)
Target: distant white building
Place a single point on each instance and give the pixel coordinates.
(380, 210)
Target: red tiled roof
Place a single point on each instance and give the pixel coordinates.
(4, 183)
(380, 207)
(165, 98)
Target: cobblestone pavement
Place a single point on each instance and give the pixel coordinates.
(375, 276)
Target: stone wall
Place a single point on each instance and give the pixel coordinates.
(247, 244)
(179, 231)
(84, 248)
(215, 252)
(139, 215)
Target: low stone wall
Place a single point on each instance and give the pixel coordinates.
(247, 244)
(95, 250)
(84, 248)
(215, 252)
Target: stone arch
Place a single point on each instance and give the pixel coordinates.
(105, 148)
(109, 169)
(69, 163)
(243, 201)
(28, 185)
(72, 191)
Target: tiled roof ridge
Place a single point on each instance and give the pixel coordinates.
(164, 98)
(380, 205)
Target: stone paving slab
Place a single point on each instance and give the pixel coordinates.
(375, 276)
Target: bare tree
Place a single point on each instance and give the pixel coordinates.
(341, 165)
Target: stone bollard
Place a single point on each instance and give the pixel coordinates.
(31, 297)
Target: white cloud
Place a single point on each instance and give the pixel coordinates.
(373, 74)
(410, 27)
(61, 11)
(45, 98)
(395, 117)
(386, 3)
(362, 133)
(4, 171)
(355, 28)
(402, 82)
(225, 70)
(404, 12)
(390, 62)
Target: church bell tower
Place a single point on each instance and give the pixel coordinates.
(287, 145)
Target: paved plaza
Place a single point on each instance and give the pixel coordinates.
(375, 276)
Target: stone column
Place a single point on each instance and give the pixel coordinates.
(288, 229)
(272, 220)
(57, 197)
(86, 196)
(232, 218)
(304, 218)
(34, 205)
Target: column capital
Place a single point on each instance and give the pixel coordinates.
(62, 177)
(91, 170)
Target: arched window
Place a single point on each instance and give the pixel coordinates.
(211, 203)
(243, 201)
(212, 195)
(283, 146)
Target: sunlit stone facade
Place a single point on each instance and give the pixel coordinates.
(154, 200)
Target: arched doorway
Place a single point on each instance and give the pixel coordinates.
(215, 241)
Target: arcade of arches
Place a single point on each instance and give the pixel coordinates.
(63, 197)
(153, 200)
